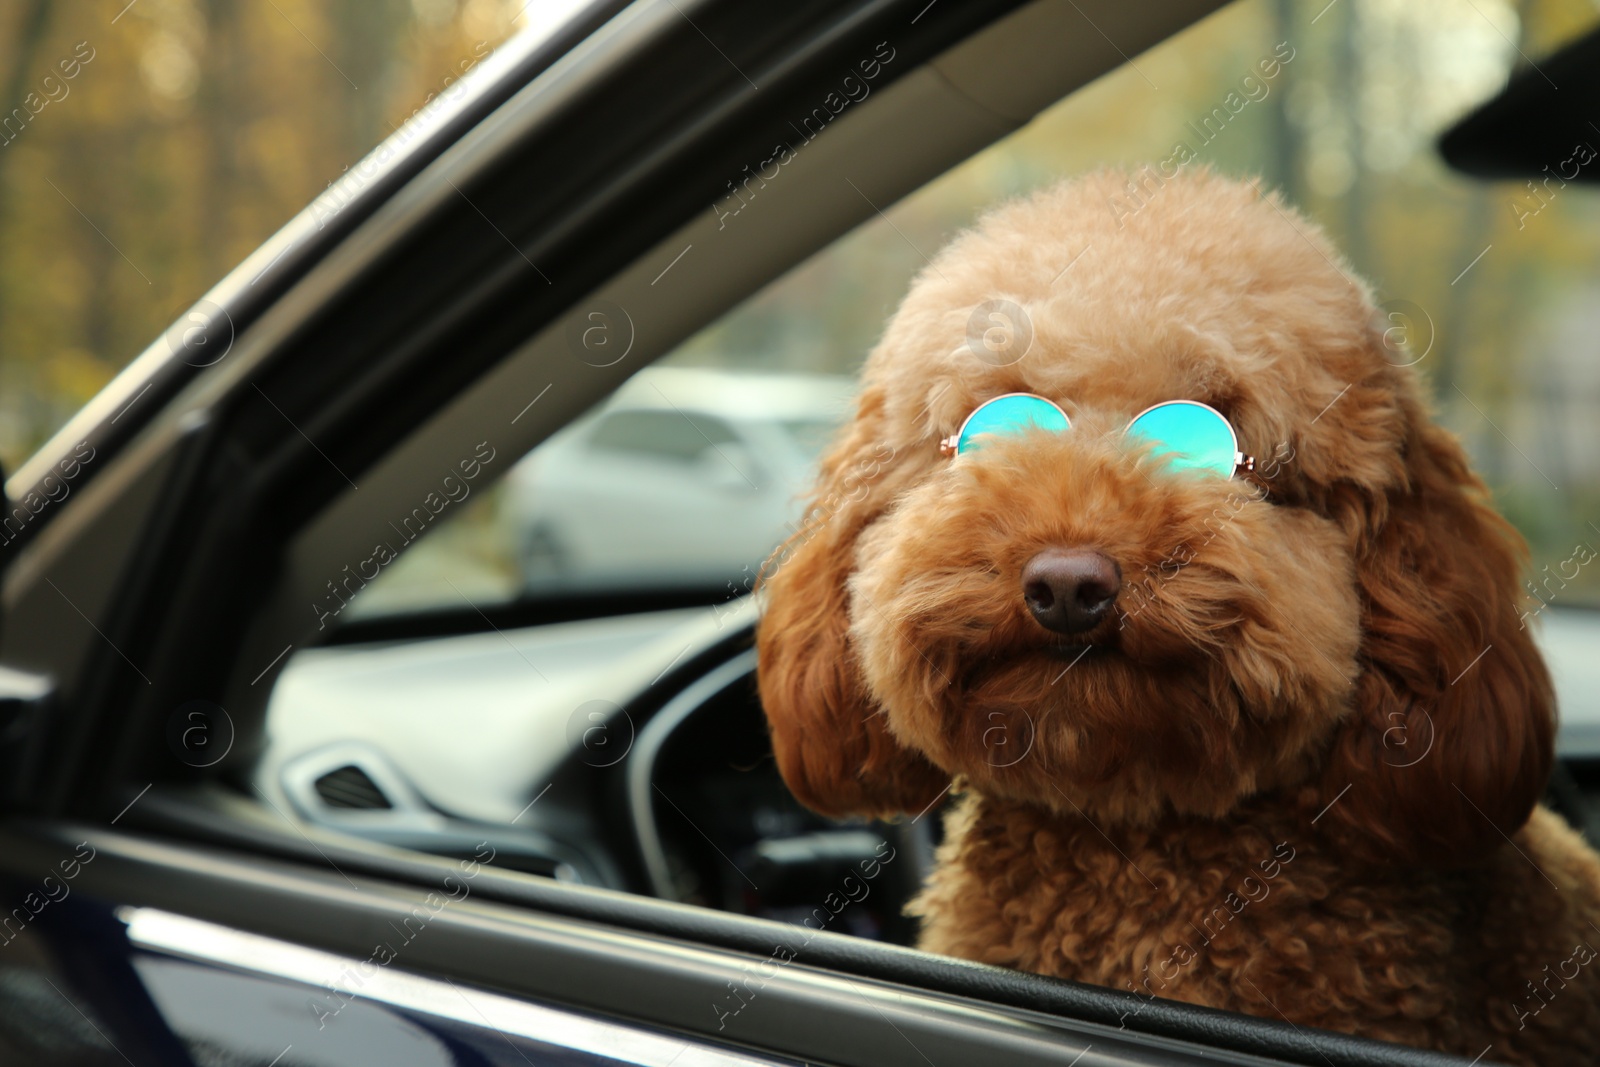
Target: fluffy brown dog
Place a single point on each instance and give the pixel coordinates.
(1282, 753)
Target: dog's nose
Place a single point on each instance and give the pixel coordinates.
(1069, 590)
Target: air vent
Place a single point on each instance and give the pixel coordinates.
(349, 787)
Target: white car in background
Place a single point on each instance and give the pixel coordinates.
(683, 476)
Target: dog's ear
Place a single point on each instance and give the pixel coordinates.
(1450, 744)
(831, 742)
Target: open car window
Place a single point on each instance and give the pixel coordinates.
(687, 477)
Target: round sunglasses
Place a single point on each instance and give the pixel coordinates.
(1194, 436)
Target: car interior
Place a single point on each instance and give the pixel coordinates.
(603, 736)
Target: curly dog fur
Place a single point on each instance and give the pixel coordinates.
(1295, 772)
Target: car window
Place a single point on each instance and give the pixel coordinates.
(691, 473)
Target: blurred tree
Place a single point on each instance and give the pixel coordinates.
(189, 131)
(27, 28)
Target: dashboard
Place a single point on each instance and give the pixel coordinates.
(630, 753)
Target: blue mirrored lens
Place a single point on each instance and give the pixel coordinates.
(1190, 435)
(1010, 415)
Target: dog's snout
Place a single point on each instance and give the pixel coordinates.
(1069, 590)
